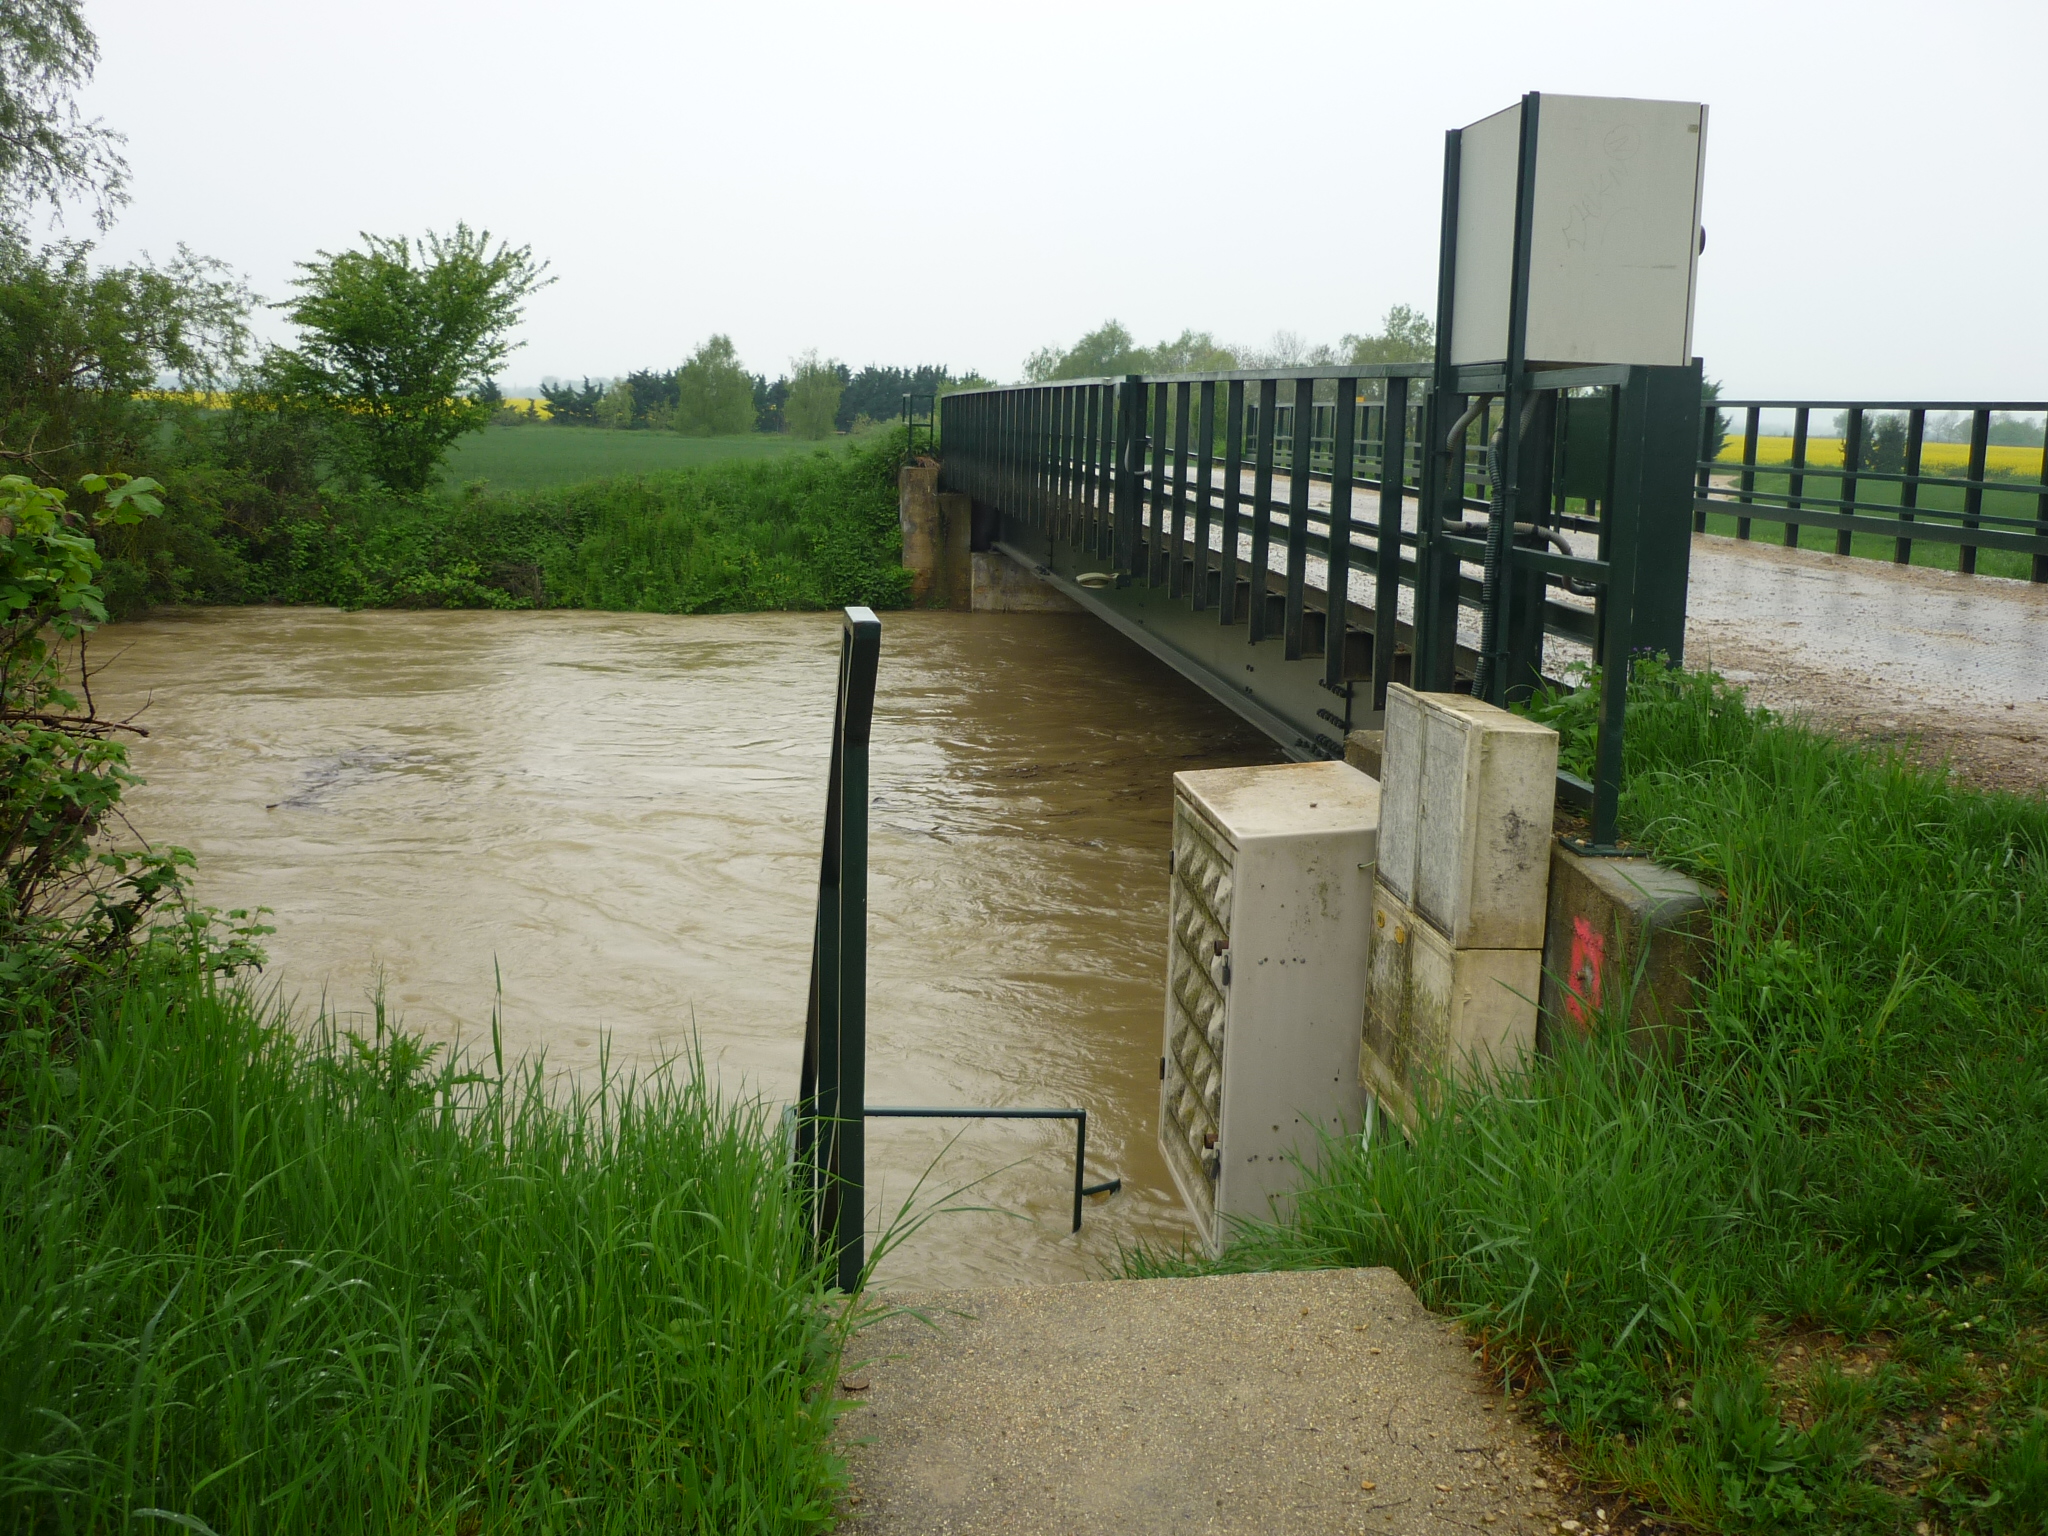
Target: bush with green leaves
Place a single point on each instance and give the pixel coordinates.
(397, 338)
(65, 900)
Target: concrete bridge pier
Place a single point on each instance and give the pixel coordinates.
(946, 570)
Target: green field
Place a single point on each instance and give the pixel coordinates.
(1934, 555)
(534, 458)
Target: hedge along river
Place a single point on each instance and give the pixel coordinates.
(608, 825)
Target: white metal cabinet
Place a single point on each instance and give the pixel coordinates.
(1270, 897)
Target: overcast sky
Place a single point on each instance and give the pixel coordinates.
(962, 183)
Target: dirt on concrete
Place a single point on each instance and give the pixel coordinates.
(1951, 669)
(1305, 1402)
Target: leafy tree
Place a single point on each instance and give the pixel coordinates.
(81, 348)
(814, 391)
(1110, 349)
(877, 393)
(1406, 335)
(572, 406)
(397, 337)
(61, 770)
(654, 396)
(2014, 431)
(715, 397)
(615, 410)
(770, 400)
(48, 152)
(1884, 443)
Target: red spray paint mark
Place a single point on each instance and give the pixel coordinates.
(1582, 979)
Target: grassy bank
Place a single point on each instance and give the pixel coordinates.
(255, 1280)
(1798, 1280)
(799, 530)
(538, 457)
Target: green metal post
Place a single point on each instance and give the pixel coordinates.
(1441, 492)
(1297, 517)
(831, 1147)
(1176, 559)
(1130, 448)
(1973, 497)
(1155, 495)
(1748, 492)
(1262, 510)
(1233, 497)
(1386, 583)
(1795, 482)
(1852, 461)
(1205, 492)
(1337, 599)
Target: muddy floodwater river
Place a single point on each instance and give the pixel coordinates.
(609, 825)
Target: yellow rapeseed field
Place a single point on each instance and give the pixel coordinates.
(1826, 453)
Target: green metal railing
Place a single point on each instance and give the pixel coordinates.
(827, 1124)
(829, 1151)
(1883, 482)
(1173, 483)
(919, 419)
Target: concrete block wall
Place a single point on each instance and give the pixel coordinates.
(1616, 924)
(1455, 951)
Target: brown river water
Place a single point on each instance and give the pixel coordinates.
(610, 823)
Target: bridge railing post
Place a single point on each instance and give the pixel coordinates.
(1130, 458)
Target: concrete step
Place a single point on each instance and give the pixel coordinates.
(1317, 1401)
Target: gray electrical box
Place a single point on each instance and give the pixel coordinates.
(1614, 231)
(1265, 980)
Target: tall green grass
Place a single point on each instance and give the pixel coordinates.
(258, 1280)
(799, 531)
(1849, 1160)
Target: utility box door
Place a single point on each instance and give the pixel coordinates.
(1615, 231)
(1271, 893)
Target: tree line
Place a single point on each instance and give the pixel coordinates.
(1406, 335)
(714, 395)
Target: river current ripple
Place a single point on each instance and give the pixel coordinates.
(610, 823)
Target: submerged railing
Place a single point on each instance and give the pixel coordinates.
(1879, 471)
(828, 1134)
(1174, 482)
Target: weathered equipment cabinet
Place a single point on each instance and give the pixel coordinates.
(1459, 894)
(1271, 891)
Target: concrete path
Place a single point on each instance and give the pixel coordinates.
(1318, 1402)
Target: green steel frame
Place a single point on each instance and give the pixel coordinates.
(1799, 504)
(1152, 502)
